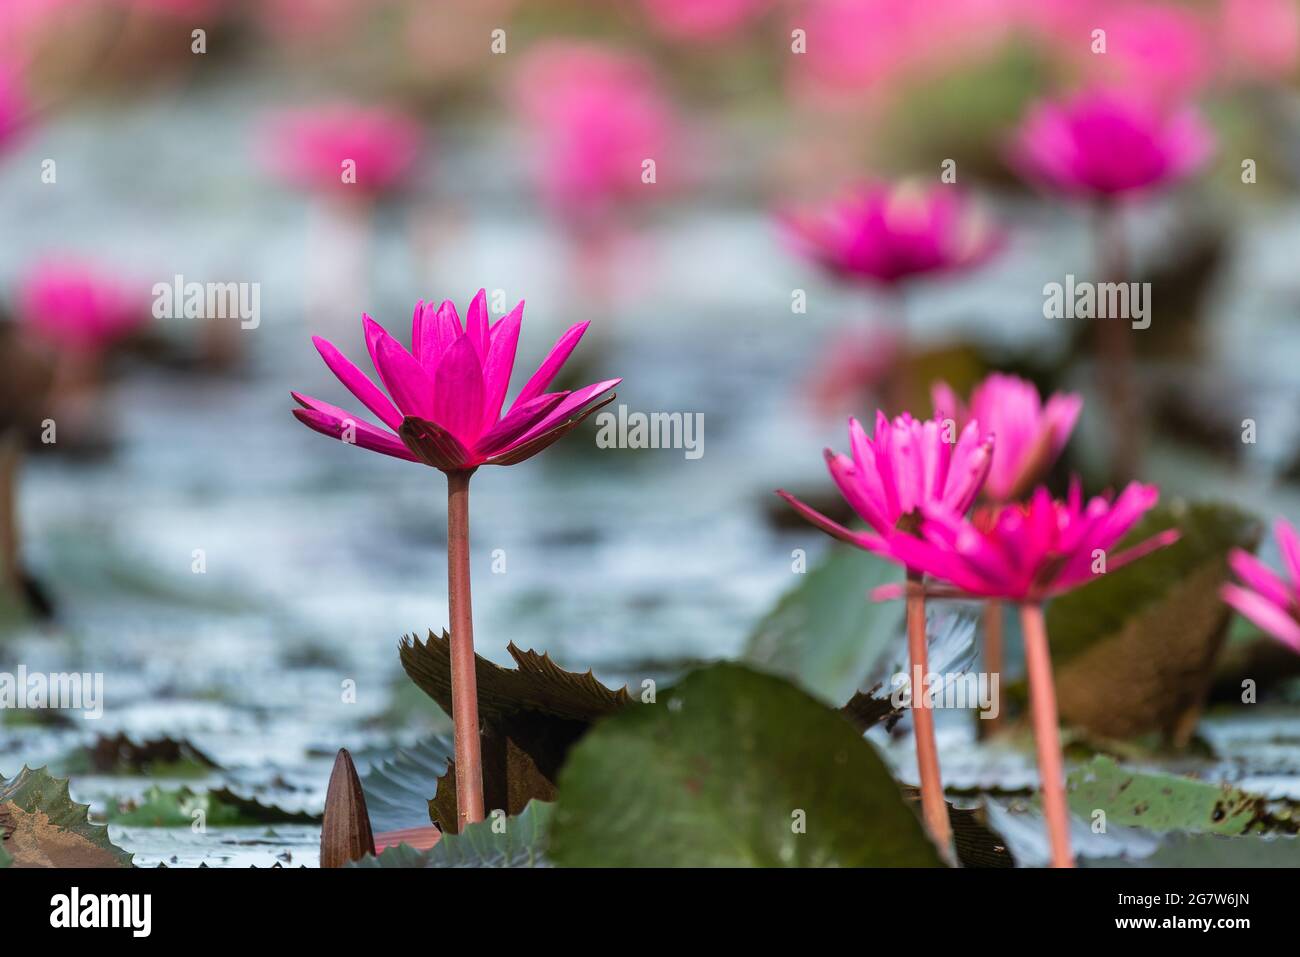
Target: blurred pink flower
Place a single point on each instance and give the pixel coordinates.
(77, 307)
(446, 394)
(597, 114)
(1269, 600)
(14, 108)
(703, 20)
(1026, 553)
(884, 234)
(1103, 143)
(1028, 434)
(1161, 51)
(309, 148)
(891, 478)
(870, 45)
(1261, 37)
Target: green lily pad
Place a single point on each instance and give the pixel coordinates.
(41, 826)
(1135, 650)
(732, 767)
(499, 841)
(398, 789)
(825, 634)
(176, 807)
(1162, 802)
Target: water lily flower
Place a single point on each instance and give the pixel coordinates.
(78, 308)
(889, 480)
(597, 115)
(443, 408)
(1105, 143)
(1027, 553)
(884, 234)
(702, 20)
(343, 147)
(1029, 437)
(1030, 434)
(1270, 600)
(1262, 37)
(446, 395)
(14, 109)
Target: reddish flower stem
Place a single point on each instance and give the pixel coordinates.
(933, 809)
(992, 662)
(1042, 699)
(464, 687)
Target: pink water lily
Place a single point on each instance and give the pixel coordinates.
(889, 480)
(1026, 553)
(1104, 143)
(309, 147)
(884, 234)
(908, 465)
(445, 395)
(78, 307)
(1030, 434)
(1270, 600)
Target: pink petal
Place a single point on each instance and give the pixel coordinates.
(1289, 545)
(519, 420)
(552, 364)
(831, 527)
(1259, 577)
(335, 426)
(499, 364)
(458, 404)
(575, 401)
(358, 383)
(404, 378)
(1263, 613)
(476, 324)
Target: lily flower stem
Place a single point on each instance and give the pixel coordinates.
(992, 664)
(933, 809)
(1042, 700)
(464, 687)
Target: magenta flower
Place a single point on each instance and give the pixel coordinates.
(890, 481)
(1261, 37)
(885, 234)
(1029, 434)
(77, 307)
(702, 20)
(1105, 143)
(14, 109)
(1026, 553)
(445, 395)
(908, 465)
(597, 115)
(340, 146)
(1269, 600)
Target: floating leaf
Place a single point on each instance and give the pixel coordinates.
(1211, 850)
(1163, 802)
(41, 826)
(825, 634)
(398, 789)
(176, 807)
(156, 757)
(499, 841)
(732, 768)
(532, 716)
(1134, 651)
